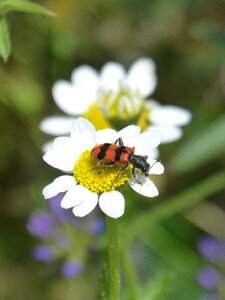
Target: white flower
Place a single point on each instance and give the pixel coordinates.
(75, 98)
(117, 94)
(167, 120)
(93, 183)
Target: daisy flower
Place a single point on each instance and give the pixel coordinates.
(93, 183)
(74, 99)
(115, 98)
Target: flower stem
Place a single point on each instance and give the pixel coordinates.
(113, 248)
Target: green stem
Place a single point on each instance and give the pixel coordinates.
(113, 248)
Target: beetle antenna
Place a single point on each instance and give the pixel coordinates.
(95, 169)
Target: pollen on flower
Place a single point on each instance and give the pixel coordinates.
(96, 117)
(99, 178)
(143, 121)
(124, 104)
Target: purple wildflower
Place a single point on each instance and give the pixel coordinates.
(97, 226)
(63, 215)
(211, 248)
(60, 215)
(40, 224)
(43, 253)
(71, 269)
(208, 277)
(58, 229)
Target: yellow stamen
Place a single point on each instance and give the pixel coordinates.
(143, 121)
(102, 121)
(123, 104)
(96, 117)
(99, 178)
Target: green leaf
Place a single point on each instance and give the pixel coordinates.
(178, 203)
(209, 217)
(5, 43)
(129, 274)
(158, 287)
(23, 6)
(171, 249)
(202, 148)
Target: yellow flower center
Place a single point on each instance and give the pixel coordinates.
(143, 121)
(99, 178)
(123, 104)
(101, 119)
(96, 117)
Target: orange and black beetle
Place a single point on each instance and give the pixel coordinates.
(111, 154)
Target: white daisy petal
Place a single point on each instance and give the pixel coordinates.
(144, 186)
(63, 95)
(59, 185)
(112, 74)
(153, 153)
(128, 133)
(112, 204)
(152, 104)
(142, 76)
(155, 167)
(83, 133)
(56, 125)
(47, 146)
(72, 100)
(74, 196)
(84, 98)
(170, 115)
(105, 136)
(62, 155)
(168, 133)
(88, 202)
(145, 142)
(85, 76)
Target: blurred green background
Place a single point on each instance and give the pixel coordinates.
(186, 39)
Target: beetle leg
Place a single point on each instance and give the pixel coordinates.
(135, 176)
(133, 172)
(119, 141)
(123, 168)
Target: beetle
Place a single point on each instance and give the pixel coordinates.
(111, 154)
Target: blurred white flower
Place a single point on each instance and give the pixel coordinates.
(93, 183)
(167, 120)
(114, 95)
(86, 87)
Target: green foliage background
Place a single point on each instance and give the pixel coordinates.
(187, 41)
